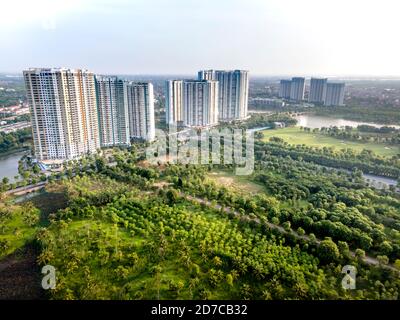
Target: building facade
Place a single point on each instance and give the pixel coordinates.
(317, 90)
(139, 99)
(63, 111)
(200, 103)
(284, 89)
(173, 102)
(297, 89)
(334, 94)
(233, 92)
(112, 112)
(206, 75)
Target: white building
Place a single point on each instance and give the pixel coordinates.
(233, 91)
(200, 103)
(113, 112)
(63, 111)
(334, 94)
(297, 88)
(206, 75)
(317, 90)
(139, 99)
(192, 103)
(173, 102)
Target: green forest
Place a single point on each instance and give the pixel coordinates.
(15, 140)
(115, 226)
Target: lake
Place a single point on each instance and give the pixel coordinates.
(9, 165)
(313, 121)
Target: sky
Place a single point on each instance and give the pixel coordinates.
(266, 37)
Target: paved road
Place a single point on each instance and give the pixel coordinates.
(367, 259)
(26, 189)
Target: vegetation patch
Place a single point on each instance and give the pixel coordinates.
(296, 136)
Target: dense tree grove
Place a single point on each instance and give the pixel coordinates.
(348, 159)
(139, 245)
(18, 224)
(363, 133)
(320, 201)
(128, 229)
(14, 140)
(265, 120)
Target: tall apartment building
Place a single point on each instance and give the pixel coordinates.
(112, 111)
(200, 103)
(334, 94)
(284, 89)
(233, 92)
(174, 101)
(192, 102)
(317, 90)
(139, 99)
(63, 111)
(206, 75)
(297, 88)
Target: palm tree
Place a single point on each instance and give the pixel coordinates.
(5, 180)
(193, 283)
(45, 257)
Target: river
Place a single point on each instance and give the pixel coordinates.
(313, 121)
(9, 165)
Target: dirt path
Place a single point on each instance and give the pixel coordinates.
(20, 277)
(367, 259)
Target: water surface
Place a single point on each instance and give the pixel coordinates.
(9, 165)
(313, 121)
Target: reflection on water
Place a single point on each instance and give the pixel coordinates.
(312, 121)
(9, 165)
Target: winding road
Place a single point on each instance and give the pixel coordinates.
(367, 259)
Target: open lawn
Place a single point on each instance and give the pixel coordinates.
(241, 184)
(15, 231)
(296, 136)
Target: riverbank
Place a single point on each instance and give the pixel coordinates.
(9, 164)
(384, 116)
(314, 120)
(12, 151)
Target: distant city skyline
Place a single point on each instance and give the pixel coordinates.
(154, 37)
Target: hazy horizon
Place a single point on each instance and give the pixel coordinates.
(267, 37)
(252, 75)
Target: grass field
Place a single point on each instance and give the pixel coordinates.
(14, 233)
(241, 184)
(246, 186)
(296, 136)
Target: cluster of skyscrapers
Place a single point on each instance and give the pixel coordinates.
(321, 91)
(215, 96)
(75, 112)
